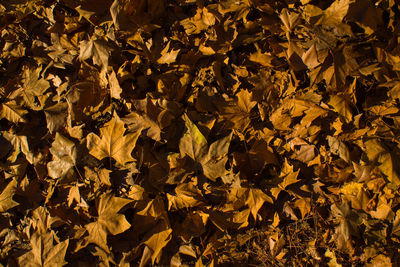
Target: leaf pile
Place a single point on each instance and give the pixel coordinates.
(184, 132)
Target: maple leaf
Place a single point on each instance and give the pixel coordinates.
(113, 143)
(212, 158)
(20, 144)
(255, 199)
(156, 242)
(187, 195)
(12, 112)
(168, 57)
(44, 253)
(336, 12)
(34, 88)
(310, 83)
(96, 49)
(193, 143)
(238, 112)
(341, 106)
(64, 153)
(149, 117)
(6, 201)
(108, 221)
(286, 178)
(115, 88)
(56, 116)
(376, 151)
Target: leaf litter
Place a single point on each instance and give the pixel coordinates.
(194, 132)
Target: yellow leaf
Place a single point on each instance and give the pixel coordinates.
(193, 143)
(64, 157)
(157, 242)
(213, 158)
(12, 112)
(208, 17)
(97, 50)
(263, 59)
(113, 143)
(109, 221)
(377, 152)
(168, 57)
(187, 195)
(115, 88)
(341, 106)
(339, 148)
(44, 253)
(6, 201)
(304, 205)
(255, 199)
(336, 12)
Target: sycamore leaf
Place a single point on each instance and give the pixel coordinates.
(33, 84)
(158, 240)
(64, 153)
(341, 106)
(187, 195)
(34, 88)
(44, 253)
(304, 205)
(212, 159)
(56, 116)
(168, 57)
(336, 12)
(20, 144)
(95, 49)
(193, 143)
(115, 88)
(208, 17)
(113, 143)
(6, 201)
(214, 162)
(148, 116)
(339, 148)
(263, 59)
(109, 221)
(255, 199)
(376, 151)
(287, 180)
(12, 112)
(289, 19)
(238, 112)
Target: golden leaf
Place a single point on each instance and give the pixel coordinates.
(113, 143)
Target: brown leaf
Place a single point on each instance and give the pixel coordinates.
(6, 196)
(108, 221)
(44, 253)
(113, 143)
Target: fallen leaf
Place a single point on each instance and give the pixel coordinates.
(113, 143)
